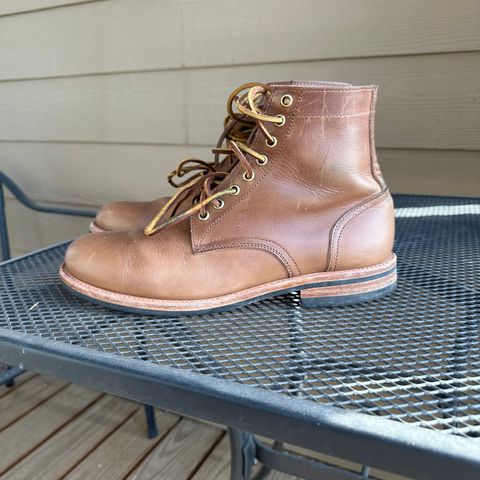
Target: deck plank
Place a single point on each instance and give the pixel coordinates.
(120, 453)
(281, 476)
(182, 450)
(26, 397)
(32, 429)
(217, 465)
(60, 453)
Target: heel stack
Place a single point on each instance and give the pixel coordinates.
(350, 292)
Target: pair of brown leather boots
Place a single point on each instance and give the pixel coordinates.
(293, 201)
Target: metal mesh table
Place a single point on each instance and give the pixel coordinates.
(412, 357)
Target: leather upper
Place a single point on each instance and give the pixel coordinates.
(127, 216)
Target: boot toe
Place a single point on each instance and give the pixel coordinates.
(91, 259)
(117, 217)
(127, 216)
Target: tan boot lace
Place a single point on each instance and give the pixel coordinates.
(235, 127)
(232, 131)
(238, 130)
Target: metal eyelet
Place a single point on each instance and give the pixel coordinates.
(203, 217)
(262, 161)
(219, 205)
(274, 142)
(286, 100)
(236, 188)
(282, 117)
(247, 178)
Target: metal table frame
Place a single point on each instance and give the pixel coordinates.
(346, 434)
(248, 411)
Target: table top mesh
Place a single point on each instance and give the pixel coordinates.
(413, 356)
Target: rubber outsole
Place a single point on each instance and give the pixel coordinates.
(337, 288)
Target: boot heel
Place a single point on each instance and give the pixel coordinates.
(355, 291)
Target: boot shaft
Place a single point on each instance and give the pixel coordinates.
(327, 141)
(321, 165)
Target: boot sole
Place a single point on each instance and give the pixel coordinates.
(94, 228)
(316, 290)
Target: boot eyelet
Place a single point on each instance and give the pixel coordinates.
(286, 100)
(273, 142)
(262, 161)
(219, 205)
(236, 188)
(283, 120)
(203, 217)
(247, 178)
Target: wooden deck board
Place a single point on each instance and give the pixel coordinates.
(23, 436)
(182, 450)
(217, 465)
(76, 440)
(56, 431)
(119, 454)
(26, 397)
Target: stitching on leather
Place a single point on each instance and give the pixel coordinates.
(336, 90)
(289, 258)
(259, 246)
(348, 217)
(371, 138)
(344, 220)
(339, 115)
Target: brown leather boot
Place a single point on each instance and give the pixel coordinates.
(305, 208)
(126, 216)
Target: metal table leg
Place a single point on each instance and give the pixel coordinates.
(246, 450)
(242, 450)
(151, 422)
(8, 375)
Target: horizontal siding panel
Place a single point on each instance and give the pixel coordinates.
(125, 35)
(17, 252)
(432, 172)
(223, 33)
(94, 174)
(133, 107)
(32, 230)
(11, 7)
(425, 102)
(119, 35)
